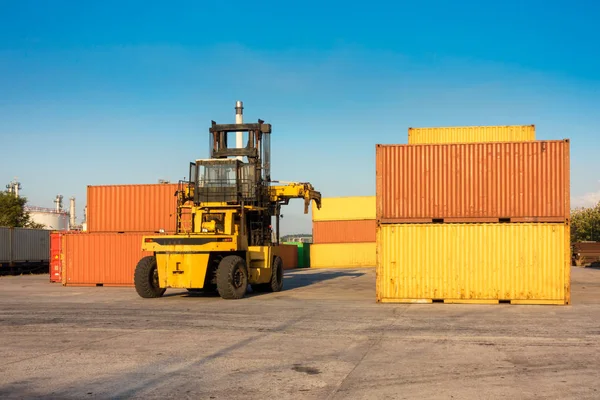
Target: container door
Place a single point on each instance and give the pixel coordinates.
(55, 257)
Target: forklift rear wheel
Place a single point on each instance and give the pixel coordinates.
(277, 275)
(145, 278)
(232, 277)
(276, 282)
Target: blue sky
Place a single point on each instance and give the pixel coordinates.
(124, 92)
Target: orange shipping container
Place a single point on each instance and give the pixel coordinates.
(475, 182)
(132, 208)
(57, 254)
(109, 259)
(101, 259)
(356, 231)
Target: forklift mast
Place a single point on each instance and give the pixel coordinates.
(257, 149)
(225, 180)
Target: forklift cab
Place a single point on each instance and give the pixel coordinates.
(227, 181)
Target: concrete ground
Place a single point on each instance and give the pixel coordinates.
(323, 337)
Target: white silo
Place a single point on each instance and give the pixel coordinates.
(51, 219)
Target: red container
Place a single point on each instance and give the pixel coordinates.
(474, 182)
(56, 256)
(132, 208)
(101, 259)
(351, 231)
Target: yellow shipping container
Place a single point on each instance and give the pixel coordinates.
(343, 255)
(344, 208)
(471, 134)
(524, 263)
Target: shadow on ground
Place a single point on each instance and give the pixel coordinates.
(593, 265)
(297, 278)
(294, 279)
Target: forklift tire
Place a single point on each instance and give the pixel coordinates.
(276, 275)
(145, 278)
(276, 282)
(232, 277)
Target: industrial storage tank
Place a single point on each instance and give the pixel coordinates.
(51, 219)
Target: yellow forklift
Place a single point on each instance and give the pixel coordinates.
(224, 239)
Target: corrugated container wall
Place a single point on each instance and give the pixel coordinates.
(478, 182)
(344, 208)
(5, 238)
(107, 259)
(344, 231)
(289, 255)
(30, 245)
(471, 134)
(526, 263)
(343, 255)
(132, 208)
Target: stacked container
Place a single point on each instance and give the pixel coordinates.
(118, 217)
(132, 208)
(344, 233)
(474, 214)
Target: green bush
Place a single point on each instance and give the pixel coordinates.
(13, 213)
(585, 224)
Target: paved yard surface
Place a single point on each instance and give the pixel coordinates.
(323, 337)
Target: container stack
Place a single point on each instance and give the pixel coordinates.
(344, 233)
(473, 215)
(118, 217)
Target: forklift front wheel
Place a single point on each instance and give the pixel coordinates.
(232, 277)
(145, 278)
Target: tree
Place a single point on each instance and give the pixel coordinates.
(13, 213)
(585, 224)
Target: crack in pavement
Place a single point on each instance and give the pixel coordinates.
(154, 382)
(74, 347)
(374, 343)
